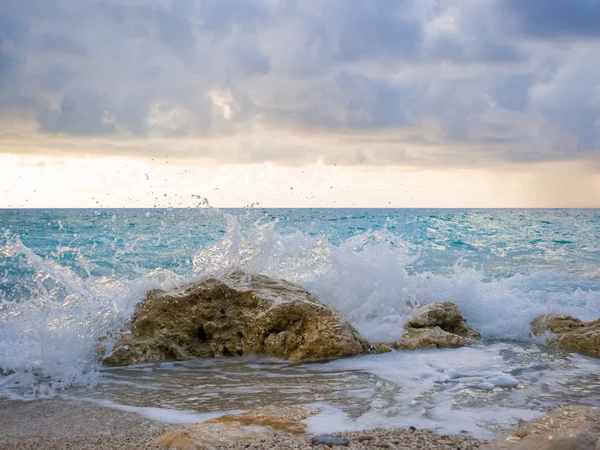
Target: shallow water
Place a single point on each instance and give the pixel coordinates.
(67, 277)
(481, 390)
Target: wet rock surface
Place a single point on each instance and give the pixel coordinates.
(237, 315)
(570, 333)
(256, 425)
(436, 325)
(569, 428)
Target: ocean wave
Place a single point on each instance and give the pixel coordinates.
(48, 338)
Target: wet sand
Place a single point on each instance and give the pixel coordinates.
(60, 424)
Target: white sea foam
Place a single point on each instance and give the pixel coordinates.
(443, 419)
(481, 390)
(166, 415)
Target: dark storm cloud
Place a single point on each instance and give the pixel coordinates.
(456, 72)
(549, 19)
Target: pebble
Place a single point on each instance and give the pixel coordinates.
(329, 439)
(393, 438)
(364, 437)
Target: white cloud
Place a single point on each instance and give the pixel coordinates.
(223, 100)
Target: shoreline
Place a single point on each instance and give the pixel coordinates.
(62, 424)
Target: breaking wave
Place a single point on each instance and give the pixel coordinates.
(374, 279)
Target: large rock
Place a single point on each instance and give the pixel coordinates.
(573, 427)
(237, 315)
(436, 325)
(256, 425)
(570, 333)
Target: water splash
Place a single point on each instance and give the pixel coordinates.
(48, 341)
(369, 280)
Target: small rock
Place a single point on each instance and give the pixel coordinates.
(383, 445)
(330, 440)
(412, 428)
(364, 437)
(521, 433)
(436, 325)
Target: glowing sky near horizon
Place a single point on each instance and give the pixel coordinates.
(412, 103)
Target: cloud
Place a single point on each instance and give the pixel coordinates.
(548, 19)
(457, 81)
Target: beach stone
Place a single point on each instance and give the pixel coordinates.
(201, 437)
(364, 437)
(570, 427)
(436, 325)
(382, 348)
(570, 333)
(238, 314)
(259, 424)
(329, 440)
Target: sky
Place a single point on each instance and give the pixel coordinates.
(300, 103)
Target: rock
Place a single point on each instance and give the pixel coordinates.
(330, 440)
(435, 337)
(436, 325)
(570, 333)
(364, 437)
(570, 427)
(200, 437)
(258, 424)
(382, 348)
(236, 315)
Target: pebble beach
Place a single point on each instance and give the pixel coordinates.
(58, 424)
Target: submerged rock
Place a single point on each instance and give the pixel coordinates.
(258, 424)
(570, 427)
(570, 333)
(237, 315)
(436, 325)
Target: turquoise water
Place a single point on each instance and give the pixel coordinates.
(128, 242)
(68, 277)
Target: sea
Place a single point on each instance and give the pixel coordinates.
(70, 276)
